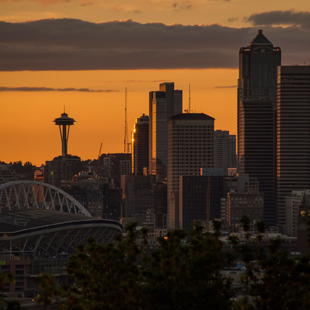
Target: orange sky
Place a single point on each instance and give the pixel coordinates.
(27, 128)
(27, 131)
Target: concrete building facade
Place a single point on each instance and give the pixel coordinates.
(190, 147)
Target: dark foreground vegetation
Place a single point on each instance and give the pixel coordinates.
(186, 272)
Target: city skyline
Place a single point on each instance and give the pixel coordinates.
(206, 37)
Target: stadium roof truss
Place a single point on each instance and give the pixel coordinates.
(55, 240)
(33, 194)
(46, 239)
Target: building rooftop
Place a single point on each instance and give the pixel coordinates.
(191, 116)
(260, 39)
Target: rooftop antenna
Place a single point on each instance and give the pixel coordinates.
(125, 134)
(189, 98)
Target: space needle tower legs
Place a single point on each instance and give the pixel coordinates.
(64, 122)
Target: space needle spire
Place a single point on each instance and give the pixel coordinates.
(64, 122)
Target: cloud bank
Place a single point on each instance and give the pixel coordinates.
(275, 18)
(71, 44)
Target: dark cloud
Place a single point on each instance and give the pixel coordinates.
(31, 89)
(232, 19)
(232, 86)
(274, 18)
(182, 5)
(70, 44)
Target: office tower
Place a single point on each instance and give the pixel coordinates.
(190, 147)
(200, 199)
(224, 150)
(61, 168)
(137, 196)
(258, 70)
(115, 165)
(112, 202)
(163, 104)
(140, 145)
(257, 95)
(293, 133)
(243, 198)
(160, 204)
(240, 204)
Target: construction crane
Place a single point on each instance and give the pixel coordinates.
(97, 168)
(100, 151)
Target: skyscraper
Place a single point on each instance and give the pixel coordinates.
(199, 199)
(190, 147)
(257, 96)
(224, 150)
(258, 64)
(163, 104)
(293, 133)
(140, 145)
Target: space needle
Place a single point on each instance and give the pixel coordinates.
(64, 122)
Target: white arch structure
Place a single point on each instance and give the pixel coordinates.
(34, 194)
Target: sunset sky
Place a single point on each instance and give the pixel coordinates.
(81, 54)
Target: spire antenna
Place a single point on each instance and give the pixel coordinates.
(126, 129)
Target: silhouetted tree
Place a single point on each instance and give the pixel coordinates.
(4, 278)
(48, 289)
(186, 273)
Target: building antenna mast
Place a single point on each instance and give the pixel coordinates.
(126, 129)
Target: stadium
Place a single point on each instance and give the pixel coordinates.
(40, 226)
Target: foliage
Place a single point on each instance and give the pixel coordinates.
(187, 275)
(179, 275)
(13, 305)
(106, 277)
(4, 278)
(186, 272)
(273, 279)
(48, 289)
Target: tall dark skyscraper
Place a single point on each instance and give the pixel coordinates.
(224, 150)
(293, 133)
(257, 98)
(163, 104)
(140, 146)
